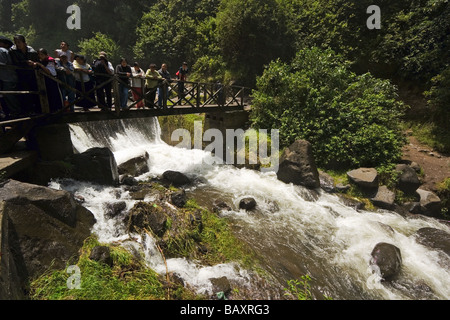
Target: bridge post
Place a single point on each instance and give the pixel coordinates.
(42, 89)
(224, 121)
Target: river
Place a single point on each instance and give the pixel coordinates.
(292, 231)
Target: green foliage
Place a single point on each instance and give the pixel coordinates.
(350, 120)
(299, 289)
(251, 34)
(100, 42)
(443, 191)
(439, 97)
(126, 280)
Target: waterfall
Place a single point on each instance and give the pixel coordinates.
(295, 233)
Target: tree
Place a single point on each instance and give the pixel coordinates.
(251, 33)
(100, 42)
(351, 120)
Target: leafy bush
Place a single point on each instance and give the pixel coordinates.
(100, 42)
(351, 120)
(439, 97)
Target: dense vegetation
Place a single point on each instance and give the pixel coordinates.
(231, 40)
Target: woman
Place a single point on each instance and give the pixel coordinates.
(151, 84)
(83, 82)
(137, 83)
(124, 72)
(48, 65)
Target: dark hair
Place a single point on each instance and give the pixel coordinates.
(136, 64)
(20, 37)
(43, 51)
(152, 65)
(123, 59)
(65, 42)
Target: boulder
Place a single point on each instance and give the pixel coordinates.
(387, 259)
(135, 166)
(178, 198)
(365, 178)
(434, 238)
(128, 180)
(408, 181)
(221, 284)
(297, 165)
(326, 182)
(430, 203)
(102, 254)
(247, 203)
(96, 165)
(220, 205)
(113, 209)
(177, 179)
(384, 198)
(41, 228)
(147, 216)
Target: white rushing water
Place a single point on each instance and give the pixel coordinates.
(296, 234)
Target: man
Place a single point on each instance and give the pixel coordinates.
(23, 55)
(182, 77)
(65, 74)
(8, 80)
(103, 71)
(163, 90)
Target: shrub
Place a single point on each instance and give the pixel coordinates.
(351, 120)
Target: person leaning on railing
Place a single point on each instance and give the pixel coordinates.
(83, 82)
(123, 70)
(137, 84)
(48, 65)
(152, 80)
(24, 56)
(8, 81)
(65, 71)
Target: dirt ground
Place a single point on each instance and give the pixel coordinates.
(436, 166)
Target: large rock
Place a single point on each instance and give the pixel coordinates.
(430, 203)
(135, 166)
(146, 216)
(248, 203)
(97, 165)
(297, 165)
(384, 198)
(387, 258)
(408, 181)
(40, 228)
(366, 178)
(179, 198)
(176, 178)
(434, 238)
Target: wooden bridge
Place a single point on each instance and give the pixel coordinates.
(195, 97)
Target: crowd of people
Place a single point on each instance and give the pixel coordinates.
(18, 62)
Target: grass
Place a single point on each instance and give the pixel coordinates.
(434, 136)
(128, 279)
(200, 228)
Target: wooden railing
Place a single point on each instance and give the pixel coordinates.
(196, 95)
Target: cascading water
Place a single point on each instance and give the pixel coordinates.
(294, 233)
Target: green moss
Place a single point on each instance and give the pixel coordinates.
(128, 279)
(200, 234)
